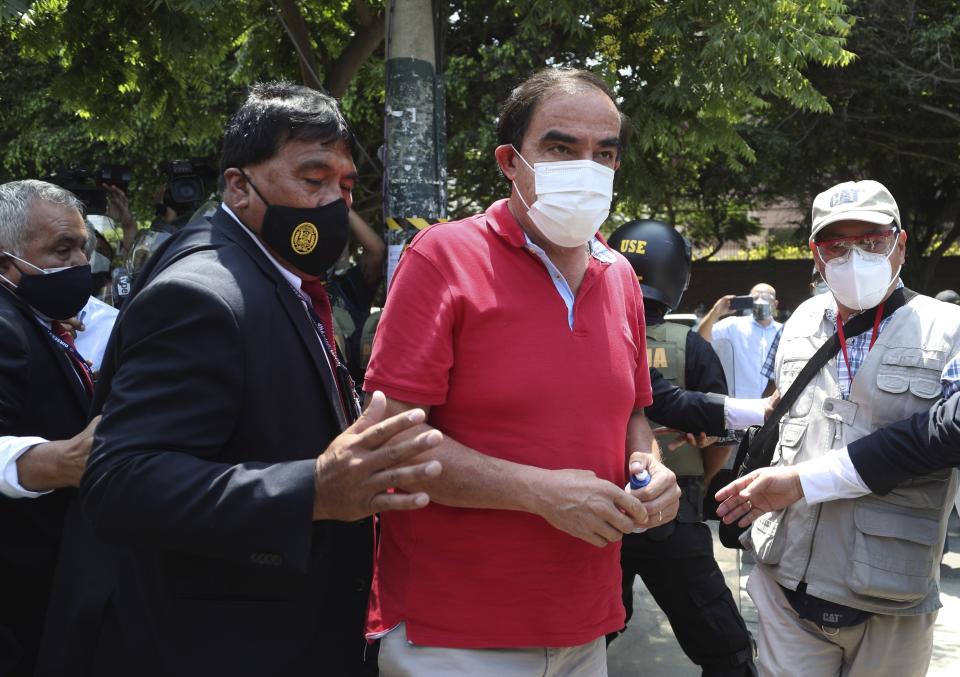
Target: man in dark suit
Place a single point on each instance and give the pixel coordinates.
(45, 393)
(230, 464)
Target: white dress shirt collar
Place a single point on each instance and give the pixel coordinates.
(294, 281)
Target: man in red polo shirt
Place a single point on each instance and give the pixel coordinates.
(521, 334)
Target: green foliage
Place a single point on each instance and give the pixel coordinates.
(688, 75)
(116, 80)
(896, 119)
(690, 71)
(84, 83)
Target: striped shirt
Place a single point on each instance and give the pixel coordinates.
(859, 346)
(857, 349)
(766, 371)
(950, 380)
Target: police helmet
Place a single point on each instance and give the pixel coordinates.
(660, 256)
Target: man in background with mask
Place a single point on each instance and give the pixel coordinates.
(233, 473)
(45, 391)
(749, 337)
(850, 586)
(522, 335)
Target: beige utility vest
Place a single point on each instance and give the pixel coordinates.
(875, 553)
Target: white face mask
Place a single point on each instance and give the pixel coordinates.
(859, 280)
(573, 199)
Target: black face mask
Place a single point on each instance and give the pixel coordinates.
(59, 294)
(309, 238)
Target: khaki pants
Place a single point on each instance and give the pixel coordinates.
(400, 658)
(884, 646)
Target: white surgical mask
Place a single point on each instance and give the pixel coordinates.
(859, 280)
(573, 199)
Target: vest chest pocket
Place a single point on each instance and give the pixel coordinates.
(893, 552)
(767, 537)
(913, 369)
(789, 370)
(791, 438)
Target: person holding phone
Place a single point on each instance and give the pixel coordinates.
(748, 337)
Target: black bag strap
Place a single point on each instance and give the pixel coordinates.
(853, 327)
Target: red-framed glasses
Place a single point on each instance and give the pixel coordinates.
(872, 243)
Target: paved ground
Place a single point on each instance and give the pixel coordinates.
(649, 649)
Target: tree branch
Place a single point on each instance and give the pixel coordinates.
(941, 111)
(894, 150)
(364, 15)
(300, 36)
(713, 251)
(365, 41)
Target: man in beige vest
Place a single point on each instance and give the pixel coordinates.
(851, 586)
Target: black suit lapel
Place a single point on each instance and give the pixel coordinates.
(292, 305)
(308, 334)
(70, 376)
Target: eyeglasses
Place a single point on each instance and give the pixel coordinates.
(871, 243)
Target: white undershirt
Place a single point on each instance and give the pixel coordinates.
(824, 478)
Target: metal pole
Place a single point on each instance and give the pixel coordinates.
(414, 184)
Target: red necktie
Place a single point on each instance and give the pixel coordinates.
(317, 292)
(83, 371)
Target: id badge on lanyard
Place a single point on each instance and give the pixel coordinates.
(72, 352)
(345, 386)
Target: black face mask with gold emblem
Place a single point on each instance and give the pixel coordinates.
(309, 238)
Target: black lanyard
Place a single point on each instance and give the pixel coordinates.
(344, 382)
(69, 349)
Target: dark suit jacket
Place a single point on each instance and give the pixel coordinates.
(40, 395)
(914, 447)
(217, 399)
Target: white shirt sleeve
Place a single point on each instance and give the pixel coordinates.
(830, 477)
(721, 328)
(740, 414)
(12, 448)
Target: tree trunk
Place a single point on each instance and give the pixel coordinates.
(300, 36)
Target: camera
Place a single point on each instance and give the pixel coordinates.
(87, 185)
(187, 181)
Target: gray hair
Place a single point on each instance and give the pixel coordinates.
(16, 199)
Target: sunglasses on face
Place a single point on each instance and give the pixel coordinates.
(872, 243)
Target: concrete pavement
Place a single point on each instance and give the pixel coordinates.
(648, 648)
